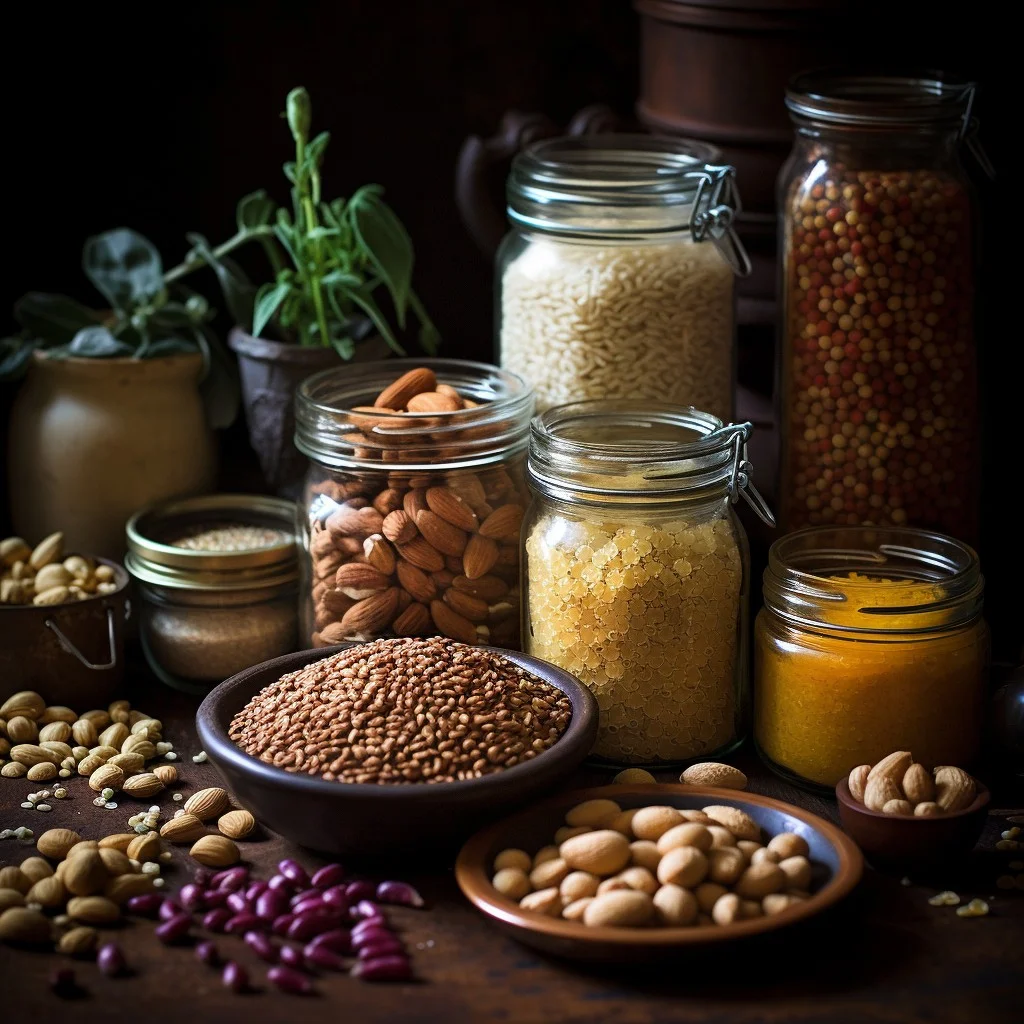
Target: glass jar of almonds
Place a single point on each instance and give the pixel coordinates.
(413, 500)
(636, 572)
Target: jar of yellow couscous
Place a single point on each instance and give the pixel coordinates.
(871, 640)
(635, 572)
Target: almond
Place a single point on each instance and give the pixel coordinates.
(215, 852)
(879, 791)
(184, 829)
(451, 624)
(12, 877)
(56, 842)
(449, 506)
(379, 553)
(414, 502)
(107, 776)
(467, 606)
(857, 780)
(166, 773)
(371, 614)
(487, 588)
(46, 551)
(122, 888)
(89, 764)
(114, 735)
(80, 941)
(21, 729)
(388, 501)
(236, 824)
(918, 784)
(954, 788)
(121, 841)
(897, 807)
(115, 861)
(50, 892)
(146, 784)
(738, 822)
(21, 925)
(85, 873)
(146, 749)
(128, 763)
(414, 580)
(414, 621)
(398, 527)
(27, 703)
(480, 556)
(422, 555)
(57, 732)
(207, 803)
(370, 416)
(440, 534)
(93, 910)
(359, 580)
(30, 754)
(928, 809)
(433, 401)
(144, 847)
(711, 773)
(397, 395)
(347, 521)
(503, 523)
(58, 713)
(892, 767)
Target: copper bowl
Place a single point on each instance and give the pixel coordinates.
(837, 861)
(899, 840)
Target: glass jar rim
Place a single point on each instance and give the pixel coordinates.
(873, 579)
(926, 100)
(336, 426)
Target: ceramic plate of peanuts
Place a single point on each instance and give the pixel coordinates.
(633, 869)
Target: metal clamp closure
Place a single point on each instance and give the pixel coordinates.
(716, 203)
(741, 484)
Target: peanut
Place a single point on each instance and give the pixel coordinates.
(622, 908)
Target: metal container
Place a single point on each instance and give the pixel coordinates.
(71, 653)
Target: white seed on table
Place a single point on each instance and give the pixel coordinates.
(64, 773)
(111, 805)
(155, 809)
(200, 757)
(43, 807)
(151, 868)
(170, 756)
(159, 883)
(27, 804)
(177, 796)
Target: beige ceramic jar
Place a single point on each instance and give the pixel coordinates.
(94, 440)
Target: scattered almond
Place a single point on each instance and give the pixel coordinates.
(215, 851)
(185, 829)
(236, 824)
(711, 773)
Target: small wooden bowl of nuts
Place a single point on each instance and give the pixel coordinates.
(628, 872)
(901, 814)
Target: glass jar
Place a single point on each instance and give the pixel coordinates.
(411, 522)
(878, 379)
(870, 640)
(217, 581)
(636, 571)
(616, 280)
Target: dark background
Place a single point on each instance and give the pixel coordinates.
(160, 117)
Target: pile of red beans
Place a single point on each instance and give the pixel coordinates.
(879, 372)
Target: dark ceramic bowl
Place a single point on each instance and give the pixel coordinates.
(896, 840)
(837, 869)
(351, 818)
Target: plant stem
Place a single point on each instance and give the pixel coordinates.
(310, 222)
(236, 240)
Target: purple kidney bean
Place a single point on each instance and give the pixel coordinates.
(110, 960)
(328, 875)
(321, 956)
(262, 946)
(309, 925)
(232, 879)
(377, 950)
(336, 941)
(254, 890)
(311, 904)
(291, 957)
(215, 898)
(335, 897)
(365, 909)
(282, 924)
(147, 903)
(237, 902)
(242, 923)
(169, 909)
(191, 897)
(215, 920)
(62, 981)
(203, 877)
(400, 893)
(175, 928)
(234, 977)
(290, 981)
(387, 968)
(356, 891)
(280, 882)
(293, 870)
(305, 894)
(271, 904)
(374, 933)
(207, 953)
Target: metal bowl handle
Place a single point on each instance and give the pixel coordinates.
(70, 648)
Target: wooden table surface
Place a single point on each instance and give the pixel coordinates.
(885, 955)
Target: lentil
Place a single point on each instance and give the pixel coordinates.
(233, 537)
(403, 711)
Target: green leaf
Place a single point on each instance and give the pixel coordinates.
(124, 266)
(97, 342)
(364, 299)
(219, 386)
(268, 299)
(15, 354)
(53, 318)
(315, 150)
(430, 337)
(256, 210)
(345, 347)
(239, 292)
(386, 243)
(289, 171)
(170, 347)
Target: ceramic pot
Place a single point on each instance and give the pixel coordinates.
(94, 440)
(270, 372)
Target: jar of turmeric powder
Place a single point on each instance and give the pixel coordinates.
(870, 640)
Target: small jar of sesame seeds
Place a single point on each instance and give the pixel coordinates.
(878, 390)
(636, 572)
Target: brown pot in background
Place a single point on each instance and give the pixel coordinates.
(270, 371)
(94, 440)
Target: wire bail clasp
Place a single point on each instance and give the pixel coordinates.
(741, 484)
(716, 203)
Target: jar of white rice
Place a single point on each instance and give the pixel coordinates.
(616, 280)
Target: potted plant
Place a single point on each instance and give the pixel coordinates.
(329, 263)
(117, 407)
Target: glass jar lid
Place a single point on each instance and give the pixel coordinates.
(627, 186)
(619, 452)
(215, 542)
(873, 579)
(336, 424)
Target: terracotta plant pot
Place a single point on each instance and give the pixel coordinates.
(270, 372)
(94, 440)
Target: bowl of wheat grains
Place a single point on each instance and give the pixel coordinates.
(373, 748)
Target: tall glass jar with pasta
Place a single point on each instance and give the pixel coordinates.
(616, 280)
(635, 572)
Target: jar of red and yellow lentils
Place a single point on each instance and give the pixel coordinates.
(878, 390)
